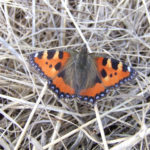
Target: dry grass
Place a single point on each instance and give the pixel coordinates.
(31, 117)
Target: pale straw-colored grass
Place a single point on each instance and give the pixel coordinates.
(31, 116)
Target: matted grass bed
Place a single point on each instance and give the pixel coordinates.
(32, 116)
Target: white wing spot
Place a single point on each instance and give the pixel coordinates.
(129, 69)
(102, 94)
(36, 55)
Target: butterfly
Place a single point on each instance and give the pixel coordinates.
(80, 74)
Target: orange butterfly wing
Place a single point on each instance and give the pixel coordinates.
(50, 65)
(93, 93)
(111, 73)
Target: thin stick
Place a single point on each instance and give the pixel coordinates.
(100, 125)
(30, 117)
(77, 27)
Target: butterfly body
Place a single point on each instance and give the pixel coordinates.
(72, 74)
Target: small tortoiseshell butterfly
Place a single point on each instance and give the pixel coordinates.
(79, 74)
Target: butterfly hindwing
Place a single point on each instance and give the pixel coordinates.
(93, 93)
(63, 89)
